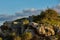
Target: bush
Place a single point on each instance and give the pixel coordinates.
(27, 36)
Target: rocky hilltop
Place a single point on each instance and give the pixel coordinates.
(45, 26)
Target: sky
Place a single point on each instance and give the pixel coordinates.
(10, 7)
(15, 9)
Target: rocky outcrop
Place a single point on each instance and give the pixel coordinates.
(47, 31)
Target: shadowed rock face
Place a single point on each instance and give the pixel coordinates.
(43, 30)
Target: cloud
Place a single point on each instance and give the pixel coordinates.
(28, 12)
(18, 15)
(24, 13)
(57, 8)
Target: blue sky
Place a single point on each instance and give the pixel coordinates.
(11, 6)
(15, 9)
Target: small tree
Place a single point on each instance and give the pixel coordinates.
(27, 36)
(17, 38)
(1, 38)
(25, 21)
